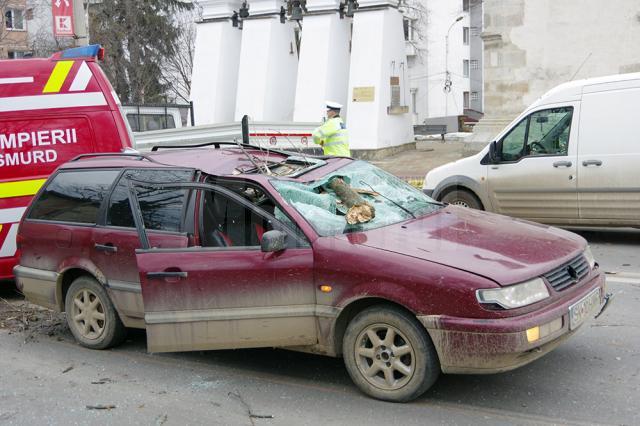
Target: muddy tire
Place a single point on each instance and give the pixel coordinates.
(91, 316)
(389, 355)
(462, 197)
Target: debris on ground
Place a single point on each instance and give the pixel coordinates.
(102, 381)
(20, 316)
(247, 407)
(66, 370)
(162, 419)
(101, 407)
(8, 415)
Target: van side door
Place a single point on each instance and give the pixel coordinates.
(534, 176)
(229, 291)
(609, 154)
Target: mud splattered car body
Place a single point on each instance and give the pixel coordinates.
(236, 247)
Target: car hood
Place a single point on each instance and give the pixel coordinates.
(503, 249)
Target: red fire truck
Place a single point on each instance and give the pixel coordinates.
(51, 110)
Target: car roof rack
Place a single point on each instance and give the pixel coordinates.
(217, 144)
(139, 157)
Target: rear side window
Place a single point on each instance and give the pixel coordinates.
(162, 209)
(74, 196)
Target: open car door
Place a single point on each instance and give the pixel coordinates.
(237, 289)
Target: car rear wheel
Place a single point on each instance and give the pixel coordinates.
(461, 197)
(91, 316)
(389, 355)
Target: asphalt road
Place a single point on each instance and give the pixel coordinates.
(616, 250)
(593, 378)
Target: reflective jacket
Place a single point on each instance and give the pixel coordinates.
(333, 137)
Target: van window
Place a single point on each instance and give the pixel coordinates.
(512, 143)
(542, 133)
(162, 209)
(74, 196)
(147, 122)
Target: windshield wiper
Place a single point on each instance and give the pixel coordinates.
(389, 199)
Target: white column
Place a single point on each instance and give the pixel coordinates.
(215, 65)
(377, 53)
(323, 70)
(268, 65)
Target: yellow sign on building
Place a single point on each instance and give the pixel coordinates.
(364, 94)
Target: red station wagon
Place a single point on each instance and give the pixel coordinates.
(231, 246)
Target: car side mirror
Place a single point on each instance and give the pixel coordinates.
(273, 241)
(493, 152)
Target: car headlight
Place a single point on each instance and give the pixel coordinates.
(589, 256)
(515, 296)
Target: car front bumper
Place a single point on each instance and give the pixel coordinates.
(483, 346)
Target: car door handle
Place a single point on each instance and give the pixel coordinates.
(107, 248)
(562, 164)
(588, 163)
(166, 274)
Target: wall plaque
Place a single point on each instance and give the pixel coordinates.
(364, 94)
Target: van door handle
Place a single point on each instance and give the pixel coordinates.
(107, 248)
(562, 164)
(166, 274)
(588, 163)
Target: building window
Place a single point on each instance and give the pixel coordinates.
(465, 100)
(465, 5)
(408, 26)
(474, 96)
(14, 54)
(465, 68)
(414, 100)
(14, 19)
(465, 35)
(475, 65)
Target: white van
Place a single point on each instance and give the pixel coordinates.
(571, 158)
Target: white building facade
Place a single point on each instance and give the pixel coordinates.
(444, 50)
(276, 62)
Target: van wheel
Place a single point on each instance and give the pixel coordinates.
(462, 197)
(91, 316)
(388, 354)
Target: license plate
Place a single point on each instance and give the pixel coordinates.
(580, 311)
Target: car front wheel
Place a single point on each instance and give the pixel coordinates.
(461, 197)
(91, 316)
(389, 355)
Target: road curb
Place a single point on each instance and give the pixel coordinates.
(622, 277)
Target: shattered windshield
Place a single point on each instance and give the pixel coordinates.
(357, 197)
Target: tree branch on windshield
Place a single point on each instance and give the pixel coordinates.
(359, 210)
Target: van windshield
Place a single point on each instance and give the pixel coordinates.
(393, 199)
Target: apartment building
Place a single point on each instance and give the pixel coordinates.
(14, 37)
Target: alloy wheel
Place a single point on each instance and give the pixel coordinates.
(385, 357)
(88, 314)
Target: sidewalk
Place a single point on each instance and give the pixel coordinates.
(413, 165)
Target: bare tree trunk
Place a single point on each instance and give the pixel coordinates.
(359, 210)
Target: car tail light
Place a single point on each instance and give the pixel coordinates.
(101, 54)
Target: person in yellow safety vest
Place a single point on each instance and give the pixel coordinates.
(332, 136)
